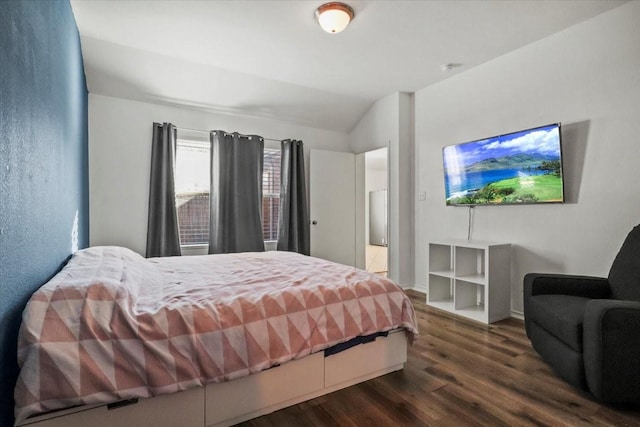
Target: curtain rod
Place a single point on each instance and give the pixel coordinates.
(207, 131)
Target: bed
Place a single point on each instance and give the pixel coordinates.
(115, 338)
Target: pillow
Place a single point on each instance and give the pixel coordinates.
(120, 271)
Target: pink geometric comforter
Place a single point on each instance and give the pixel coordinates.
(113, 325)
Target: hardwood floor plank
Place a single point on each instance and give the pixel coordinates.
(459, 373)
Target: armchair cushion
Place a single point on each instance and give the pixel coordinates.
(560, 315)
(537, 284)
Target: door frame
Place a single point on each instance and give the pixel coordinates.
(361, 200)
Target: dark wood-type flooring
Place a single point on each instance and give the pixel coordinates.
(459, 373)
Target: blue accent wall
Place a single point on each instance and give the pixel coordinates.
(44, 200)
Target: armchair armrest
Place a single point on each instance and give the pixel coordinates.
(565, 284)
(612, 349)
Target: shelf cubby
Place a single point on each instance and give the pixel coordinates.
(468, 294)
(441, 260)
(441, 289)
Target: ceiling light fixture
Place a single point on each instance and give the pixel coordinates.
(334, 17)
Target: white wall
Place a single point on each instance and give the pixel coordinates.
(588, 78)
(120, 155)
(388, 123)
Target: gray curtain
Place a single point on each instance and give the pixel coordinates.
(293, 233)
(163, 238)
(235, 223)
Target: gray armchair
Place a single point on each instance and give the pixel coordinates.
(588, 328)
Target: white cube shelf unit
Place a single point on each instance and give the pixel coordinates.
(471, 279)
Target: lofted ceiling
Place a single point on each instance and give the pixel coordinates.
(271, 59)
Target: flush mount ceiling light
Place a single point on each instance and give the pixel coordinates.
(334, 17)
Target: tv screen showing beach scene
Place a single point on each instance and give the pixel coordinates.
(517, 168)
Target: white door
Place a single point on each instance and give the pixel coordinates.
(332, 205)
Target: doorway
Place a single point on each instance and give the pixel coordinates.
(376, 211)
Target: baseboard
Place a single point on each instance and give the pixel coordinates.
(517, 314)
(419, 288)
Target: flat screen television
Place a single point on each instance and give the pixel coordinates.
(516, 168)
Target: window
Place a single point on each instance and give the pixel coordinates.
(270, 194)
(192, 192)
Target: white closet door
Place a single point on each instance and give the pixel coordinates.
(332, 205)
